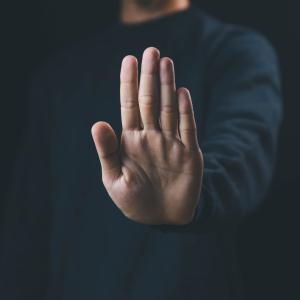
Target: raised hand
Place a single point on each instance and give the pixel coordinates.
(154, 174)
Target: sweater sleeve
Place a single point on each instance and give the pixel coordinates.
(239, 138)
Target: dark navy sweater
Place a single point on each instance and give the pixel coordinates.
(64, 239)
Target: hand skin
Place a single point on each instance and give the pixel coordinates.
(154, 175)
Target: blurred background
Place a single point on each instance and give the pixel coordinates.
(35, 29)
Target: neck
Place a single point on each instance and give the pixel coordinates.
(136, 11)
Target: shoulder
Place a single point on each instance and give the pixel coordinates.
(231, 48)
(217, 34)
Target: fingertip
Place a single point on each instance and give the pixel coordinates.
(150, 61)
(100, 127)
(129, 59)
(167, 73)
(94, 129)
(151, 53)
(129, 68)
(184, 92)
(106, 144)
(184, 100)
(104, 138)
(166, 62)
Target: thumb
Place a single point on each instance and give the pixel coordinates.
(106, 143)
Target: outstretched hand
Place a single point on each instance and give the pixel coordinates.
(154, 174)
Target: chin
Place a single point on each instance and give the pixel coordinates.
(151, 3)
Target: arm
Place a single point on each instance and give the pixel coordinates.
(241, 129)
(239, 139)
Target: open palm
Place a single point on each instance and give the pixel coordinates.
(154, 174)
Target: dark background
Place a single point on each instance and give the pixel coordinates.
(36, 29)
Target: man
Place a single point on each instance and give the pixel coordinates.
(193, 157)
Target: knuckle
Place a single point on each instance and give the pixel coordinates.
(144, 138)
(191, 129)
(177, 149)
(129, 104)
(167, 108)
(146, 99)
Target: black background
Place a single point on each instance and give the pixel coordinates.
(267, 241)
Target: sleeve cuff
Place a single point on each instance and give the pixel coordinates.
(196, 225)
